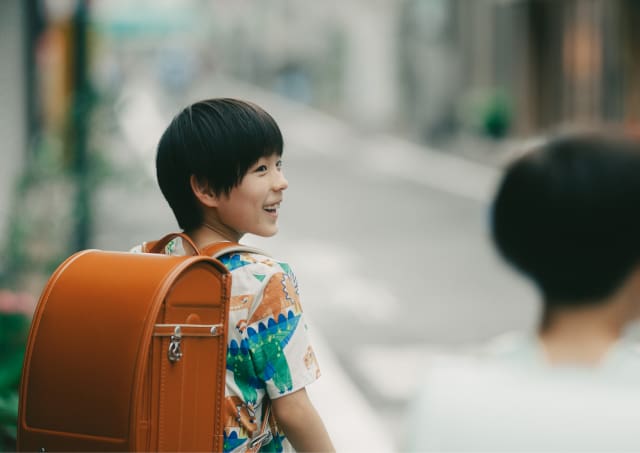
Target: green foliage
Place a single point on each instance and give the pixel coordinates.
(489, 112)
(13, 334)
(8, 421)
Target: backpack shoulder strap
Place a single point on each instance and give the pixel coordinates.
(159, 245)
(215, 250)
(218, 249)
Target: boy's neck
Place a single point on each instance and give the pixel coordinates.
(208, 233)
(583, 336)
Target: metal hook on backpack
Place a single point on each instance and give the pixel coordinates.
(175, 353)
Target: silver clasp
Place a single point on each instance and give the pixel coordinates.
(261, 439)
(175, 353)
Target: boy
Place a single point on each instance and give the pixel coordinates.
(566, 215)
(219, 167)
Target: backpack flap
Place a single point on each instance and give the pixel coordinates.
(94, 380)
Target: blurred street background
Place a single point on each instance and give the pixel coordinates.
(397, 115)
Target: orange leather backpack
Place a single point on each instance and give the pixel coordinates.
(127, 352)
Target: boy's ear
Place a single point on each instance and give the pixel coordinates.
(203, 192)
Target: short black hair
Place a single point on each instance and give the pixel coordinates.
(216, 140)
(567, 214)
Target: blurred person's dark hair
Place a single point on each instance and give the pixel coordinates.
(216, 140)
(567, 214)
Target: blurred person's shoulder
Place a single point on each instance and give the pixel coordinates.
(513, 347)
(503, 394)
(622, 363)
(524, 349)
(516, 360)
(510, 345)
(491, 361)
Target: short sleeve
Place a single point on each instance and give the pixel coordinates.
(277, 337)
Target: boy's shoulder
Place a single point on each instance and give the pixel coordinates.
(255, 263)
(255, 273)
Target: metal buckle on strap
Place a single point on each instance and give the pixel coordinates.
(260, 439)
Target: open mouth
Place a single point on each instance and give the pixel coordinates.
(273, 208)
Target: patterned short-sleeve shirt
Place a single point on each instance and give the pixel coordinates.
(268, 350)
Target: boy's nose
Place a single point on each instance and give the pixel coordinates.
(280, 183)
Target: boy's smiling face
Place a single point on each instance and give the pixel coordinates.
(253, 205)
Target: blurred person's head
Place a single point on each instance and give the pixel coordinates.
(208, 149)
(567, 215)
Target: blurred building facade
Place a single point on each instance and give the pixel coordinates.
(558, 62)
(45, 111)
(431, 68)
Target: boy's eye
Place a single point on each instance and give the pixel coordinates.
(279, 164)
(261, 168)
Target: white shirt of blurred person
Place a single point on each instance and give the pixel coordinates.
(567, 215)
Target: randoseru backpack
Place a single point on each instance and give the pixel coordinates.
(127, 352)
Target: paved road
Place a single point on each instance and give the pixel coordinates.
(389, 242)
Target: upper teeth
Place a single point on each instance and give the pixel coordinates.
(273, 206)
